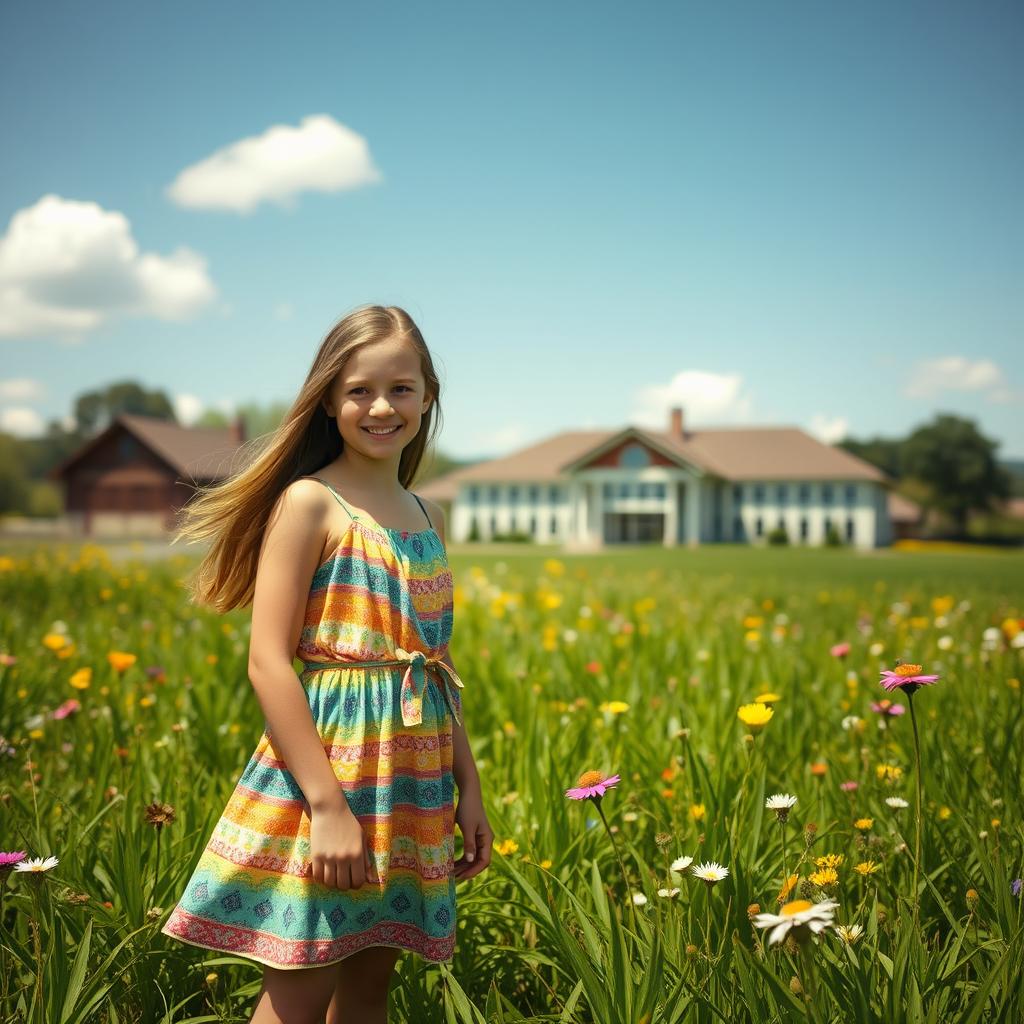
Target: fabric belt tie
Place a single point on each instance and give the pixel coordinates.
(414, 680)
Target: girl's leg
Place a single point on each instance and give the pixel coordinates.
(297, 996)
(361, 987)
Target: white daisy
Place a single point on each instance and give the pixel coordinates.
(800, 917)
(849, 933)
(680, 864)
(780, 800)
(896, 802)
(36, 864)
(639, 899)
(674, 891)
(711, 872)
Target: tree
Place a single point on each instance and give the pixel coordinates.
(884, 452)
(958, 463)
(95, 409)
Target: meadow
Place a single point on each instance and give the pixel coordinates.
(716, 685)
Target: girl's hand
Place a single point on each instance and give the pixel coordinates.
(338, 849)
(477, 836)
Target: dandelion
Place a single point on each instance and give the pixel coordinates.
(825, 877)
(890, 773)
(697, 812)
(897, 803)
(864, 824)
(710, 872)
(506, 846)
(800, 918)
(755, 716)
(866, 867)
(120, 660)
(849, 933)
(81, 679)
(767, 698)
(613, 707)
(55, 641)
(829, 860)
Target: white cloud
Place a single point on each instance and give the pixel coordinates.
(931, 377)
(187, 408)
(706, 398)
(829, 429)
(20, 389)
(67, 266)
(320, 155)
(22, 421)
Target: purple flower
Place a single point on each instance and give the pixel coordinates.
(905, 677)
(887, 708)
(1015, 886)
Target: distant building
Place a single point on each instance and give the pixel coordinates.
(588, 489)
(134, 476)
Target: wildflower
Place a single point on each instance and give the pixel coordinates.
(889, 773)
(839, 650)
(945, 813)
(849, 786)
(907, 677)
(639, 899)
(158, 815)
(866, 867)
(787, 887)
(669, 893)
(753, 910)
(863, 824)
(819, 768)
(876, 649)
(37, 865)
(120, 660)
(591, 786)
(897, 803)
(697, 812)
(971, 898)
(613, 707)
(8, 860)
(849, 933)
(780, 803)
(710, 872)
(69, 707)
(55, 641)
(506, 846)
(680, 864)
(755, 716)
(81, 679)
(852, 722)
(801, 918)
(1015, 886)
(829, 860)
(767, 698)
(825, 877)
(887, 708)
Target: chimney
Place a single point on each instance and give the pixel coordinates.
(236, 431)
(675, 423)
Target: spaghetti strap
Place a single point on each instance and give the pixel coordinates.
(425, 512)
(337, 495)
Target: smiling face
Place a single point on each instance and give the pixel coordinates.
(381, 386)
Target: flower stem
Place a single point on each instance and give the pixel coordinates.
(618, 857)
(917, 831)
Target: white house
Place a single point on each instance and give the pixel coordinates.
(588, 489)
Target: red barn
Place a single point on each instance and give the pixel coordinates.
(134, 476)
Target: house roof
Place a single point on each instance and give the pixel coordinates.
(196, 453)
(731, 453)
(903, 510)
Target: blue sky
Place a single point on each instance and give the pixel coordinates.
(796, 213)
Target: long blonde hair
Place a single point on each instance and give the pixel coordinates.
(234, 513)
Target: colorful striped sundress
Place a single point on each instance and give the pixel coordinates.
(378, 619)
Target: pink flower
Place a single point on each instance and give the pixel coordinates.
(69, 707)
(849, 786)
(9, 859)
(839, 650)
(906, 677)
(591, 786)
(886, 707)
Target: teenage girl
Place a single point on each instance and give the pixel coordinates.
(336, 850)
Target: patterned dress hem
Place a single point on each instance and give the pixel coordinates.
(217, 937)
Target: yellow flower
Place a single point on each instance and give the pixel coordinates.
(863, 824)
(752, 622)
(752, 636)
(553, 567)
(36, 734)
(787, 887)
(942, 605)
(211, 659)
(506, 846)
(545, 863)
(829, 860)
(866, 867)
(55, 641)
(889, 772)
(120, 660)
(697, 812)
(767, 698)
(81, 679)
(945, 813)
(613, 707)
(825, 877)
(755, 716)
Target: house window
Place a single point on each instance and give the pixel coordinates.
(474, 495)
(624, 489)
(534, 494)
(849, 529)
(783, 494)
(828, 527)
(127, 447)
(494, 495)
(803, 527)
(553, 494)
(826, 494)
(758, 492)
(717, 526)
(805, 494)
(633, 456)
(608, 490)
(737, 528)
(513, 495)
(644, 489)
(737, 493)
(850, 493)
(659, 490)
(533, 525)
(554, 526)
(759, 527)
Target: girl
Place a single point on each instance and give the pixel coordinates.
(336, 848)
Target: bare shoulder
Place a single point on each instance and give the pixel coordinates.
(300, 511)
(436, 516)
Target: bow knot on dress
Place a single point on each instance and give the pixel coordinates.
(414, 682)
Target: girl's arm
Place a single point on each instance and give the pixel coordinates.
(292, 544)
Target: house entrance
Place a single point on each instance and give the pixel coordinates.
(633, 527)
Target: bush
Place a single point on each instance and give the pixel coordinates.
(778, 536)
(832, 538)
(513, 536)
